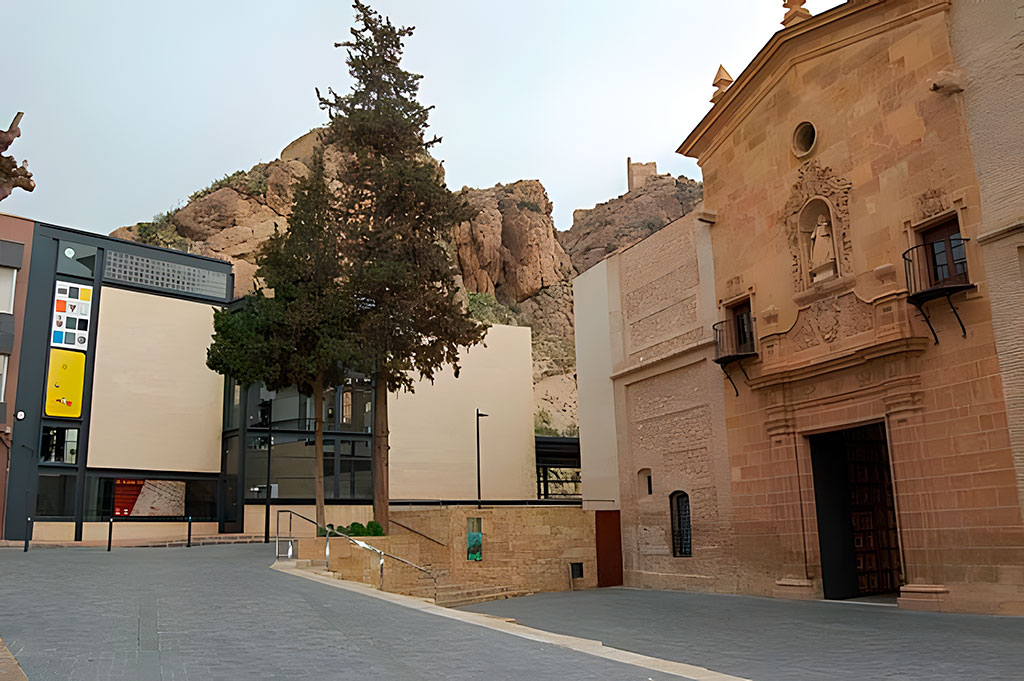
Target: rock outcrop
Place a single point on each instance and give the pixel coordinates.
(653, 203)
(510, 248)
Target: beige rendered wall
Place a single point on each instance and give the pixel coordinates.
(155, 405)
(433, 430)
(596, 311)
(985, 37)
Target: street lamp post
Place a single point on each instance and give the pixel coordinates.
(270, 446)
(479, 415)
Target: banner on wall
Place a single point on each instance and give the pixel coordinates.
(149, 497)
(64, 380)
(71, 316)
(474, 539)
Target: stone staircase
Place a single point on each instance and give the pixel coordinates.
(454, 595)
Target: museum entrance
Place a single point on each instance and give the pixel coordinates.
(856, 514)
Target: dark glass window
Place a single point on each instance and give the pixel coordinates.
(356, 406)
(946, 254)
(681, 538)
(105, 497)
(56, 494)
(742, 327)
(60, 445)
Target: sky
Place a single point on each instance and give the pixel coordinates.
(131, 106)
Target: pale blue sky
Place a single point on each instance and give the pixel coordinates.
(130, 106)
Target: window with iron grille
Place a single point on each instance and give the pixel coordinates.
(682, 545)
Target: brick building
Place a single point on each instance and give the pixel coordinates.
(858, 442)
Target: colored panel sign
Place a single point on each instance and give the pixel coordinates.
(474, 539)
(149, 497)
(64, 381)
(72, 322)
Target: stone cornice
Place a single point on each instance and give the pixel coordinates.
(845, 360)
(657, 359)
(778, 56)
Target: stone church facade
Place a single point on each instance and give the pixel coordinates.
(854, 438)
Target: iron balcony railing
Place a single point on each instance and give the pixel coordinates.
(735, 338)
(936, 269)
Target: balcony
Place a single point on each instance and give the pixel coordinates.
(735, 339)
(937, 269)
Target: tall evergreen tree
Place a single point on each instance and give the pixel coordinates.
(295, 330)
(399, 218)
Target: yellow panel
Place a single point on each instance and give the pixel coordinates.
(64, 383)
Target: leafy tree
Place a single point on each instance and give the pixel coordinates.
(399, 217)
(295, 329)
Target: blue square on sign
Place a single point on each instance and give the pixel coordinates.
(58, 336)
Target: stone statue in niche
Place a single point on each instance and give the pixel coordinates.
(823, 253)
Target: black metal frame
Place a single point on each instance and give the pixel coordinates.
(729, 347)
(923, 283)
(682, 524)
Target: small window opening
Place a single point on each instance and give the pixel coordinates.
(682, 545)
(803, 138)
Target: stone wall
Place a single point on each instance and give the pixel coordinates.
(524, 550)
(890, 158)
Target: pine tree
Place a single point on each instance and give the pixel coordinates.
(295, 330)
(399, 218)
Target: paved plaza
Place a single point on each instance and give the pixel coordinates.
(219, 612)
(782, 640)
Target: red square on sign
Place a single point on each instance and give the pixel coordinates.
(61, 305)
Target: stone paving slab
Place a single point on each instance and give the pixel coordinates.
(782, 640)
(218, 612)
(9, 668)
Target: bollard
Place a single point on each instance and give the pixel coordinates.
(327, 552)
(28, 531)
(110, 533)
(188, 544)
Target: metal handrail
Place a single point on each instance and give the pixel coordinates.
(920, 267)
(727, 337)
(357, 542)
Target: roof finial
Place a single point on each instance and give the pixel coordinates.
(796, 12)
(722, 81)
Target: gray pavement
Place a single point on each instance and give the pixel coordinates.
(781, 640)
(218, 612)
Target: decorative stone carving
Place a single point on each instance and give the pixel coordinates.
(795, 12)
(828, 320)
(929, 203)
(823, 255)
(830, 194)
(722, 82)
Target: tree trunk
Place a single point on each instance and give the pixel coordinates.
(318, 438)
(380, 452)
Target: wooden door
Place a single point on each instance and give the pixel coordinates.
(609, 548)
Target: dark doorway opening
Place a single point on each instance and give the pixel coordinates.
(856, 512)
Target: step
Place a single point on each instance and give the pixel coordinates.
(453, 597)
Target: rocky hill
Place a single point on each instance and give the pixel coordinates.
(515, 267)
(652, 202)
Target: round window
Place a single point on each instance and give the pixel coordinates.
(803, 138)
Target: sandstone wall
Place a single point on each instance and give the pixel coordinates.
(524, 550)
(891, 158)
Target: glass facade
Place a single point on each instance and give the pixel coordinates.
(56, 495)
(107, 497)
(279, 427)
(60, 445)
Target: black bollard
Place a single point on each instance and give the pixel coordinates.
(28, 531)
(188, 544)
(110, 533)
